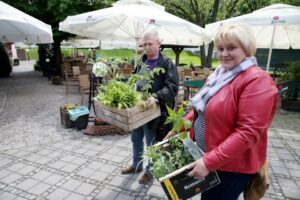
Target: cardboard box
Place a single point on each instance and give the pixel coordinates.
(127, 119)
(178, 185)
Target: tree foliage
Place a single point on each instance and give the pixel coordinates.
(201, 12)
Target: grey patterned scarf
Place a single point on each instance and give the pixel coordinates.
(217, 80)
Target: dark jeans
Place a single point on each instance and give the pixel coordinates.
(230, 188)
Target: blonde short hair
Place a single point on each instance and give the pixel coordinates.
(241, 33)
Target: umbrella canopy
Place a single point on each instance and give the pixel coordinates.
(129, 20)
(275, 27)
(103, 44)
(17, 26)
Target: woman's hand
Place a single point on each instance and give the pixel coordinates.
(198, 169)
(170, 134)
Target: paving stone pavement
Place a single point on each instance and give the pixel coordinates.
(39, 159)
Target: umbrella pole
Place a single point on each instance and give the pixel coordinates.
(136, 52)
(270, 50)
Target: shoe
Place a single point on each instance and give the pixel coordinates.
(146, 178)
(130, 170)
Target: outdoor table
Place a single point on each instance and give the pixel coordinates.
(192, 84)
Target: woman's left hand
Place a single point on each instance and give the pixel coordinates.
(198, 169)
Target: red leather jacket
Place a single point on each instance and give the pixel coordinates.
(237, 119)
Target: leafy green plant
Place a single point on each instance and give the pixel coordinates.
(293, 71)
(174, 155)
(168, 158)
(124, 95)
(118, 94)
(176, 118)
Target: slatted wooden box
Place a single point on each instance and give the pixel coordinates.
(127, 119)
(178, 185)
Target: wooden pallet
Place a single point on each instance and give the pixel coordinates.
(127, 119)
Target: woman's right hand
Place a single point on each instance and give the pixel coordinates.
(170, 134)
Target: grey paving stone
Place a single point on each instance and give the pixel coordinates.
(106, 156)
(61, 156)
(288, 183)
(58, 194)
(74, 196)
(11, 178)
(71, 184)
(45, 152)
(53, 179)
(39, 188)
(108, 168)
(21, 198)
(41, 175)
(106, 194)
(26, 170)
(16, 167)
(86, 172)
(69, 168)
(4, 161)
(99, 176)
(119, 181)
(7, 196)
(79, 161)
(54, 154)
(4, 173)
(95, 165)
(133, 185)
(58, 164)
(90, 153)
(124, 197)
(85, 188)
(27, 183)
(34, 158)
(68, 158)
(291, 193)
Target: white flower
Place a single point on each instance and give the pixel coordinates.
(100, 69)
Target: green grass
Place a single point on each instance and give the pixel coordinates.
(186, 57)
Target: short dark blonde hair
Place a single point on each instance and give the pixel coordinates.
(241, 33)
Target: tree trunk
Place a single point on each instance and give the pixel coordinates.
(203, 56)
(209, 54)
(42, 59)
(56, 62)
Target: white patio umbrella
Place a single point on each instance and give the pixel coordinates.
(275, 27)
(103, 44)
(129, 20)
(17, 26)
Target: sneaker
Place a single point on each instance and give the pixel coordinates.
(146, 178)
(130, 170)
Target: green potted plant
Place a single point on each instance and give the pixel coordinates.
(289, 87)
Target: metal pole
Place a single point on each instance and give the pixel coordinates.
(270, 50)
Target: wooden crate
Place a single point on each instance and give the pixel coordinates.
(127, 119)
(65, 119)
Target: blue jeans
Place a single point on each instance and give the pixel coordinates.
(230, 188)
(137, 137)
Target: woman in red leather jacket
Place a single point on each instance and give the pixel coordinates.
(232, 114)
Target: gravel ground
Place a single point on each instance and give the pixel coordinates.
(29, 107)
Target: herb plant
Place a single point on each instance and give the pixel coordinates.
(124, 95)
(169, 157)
